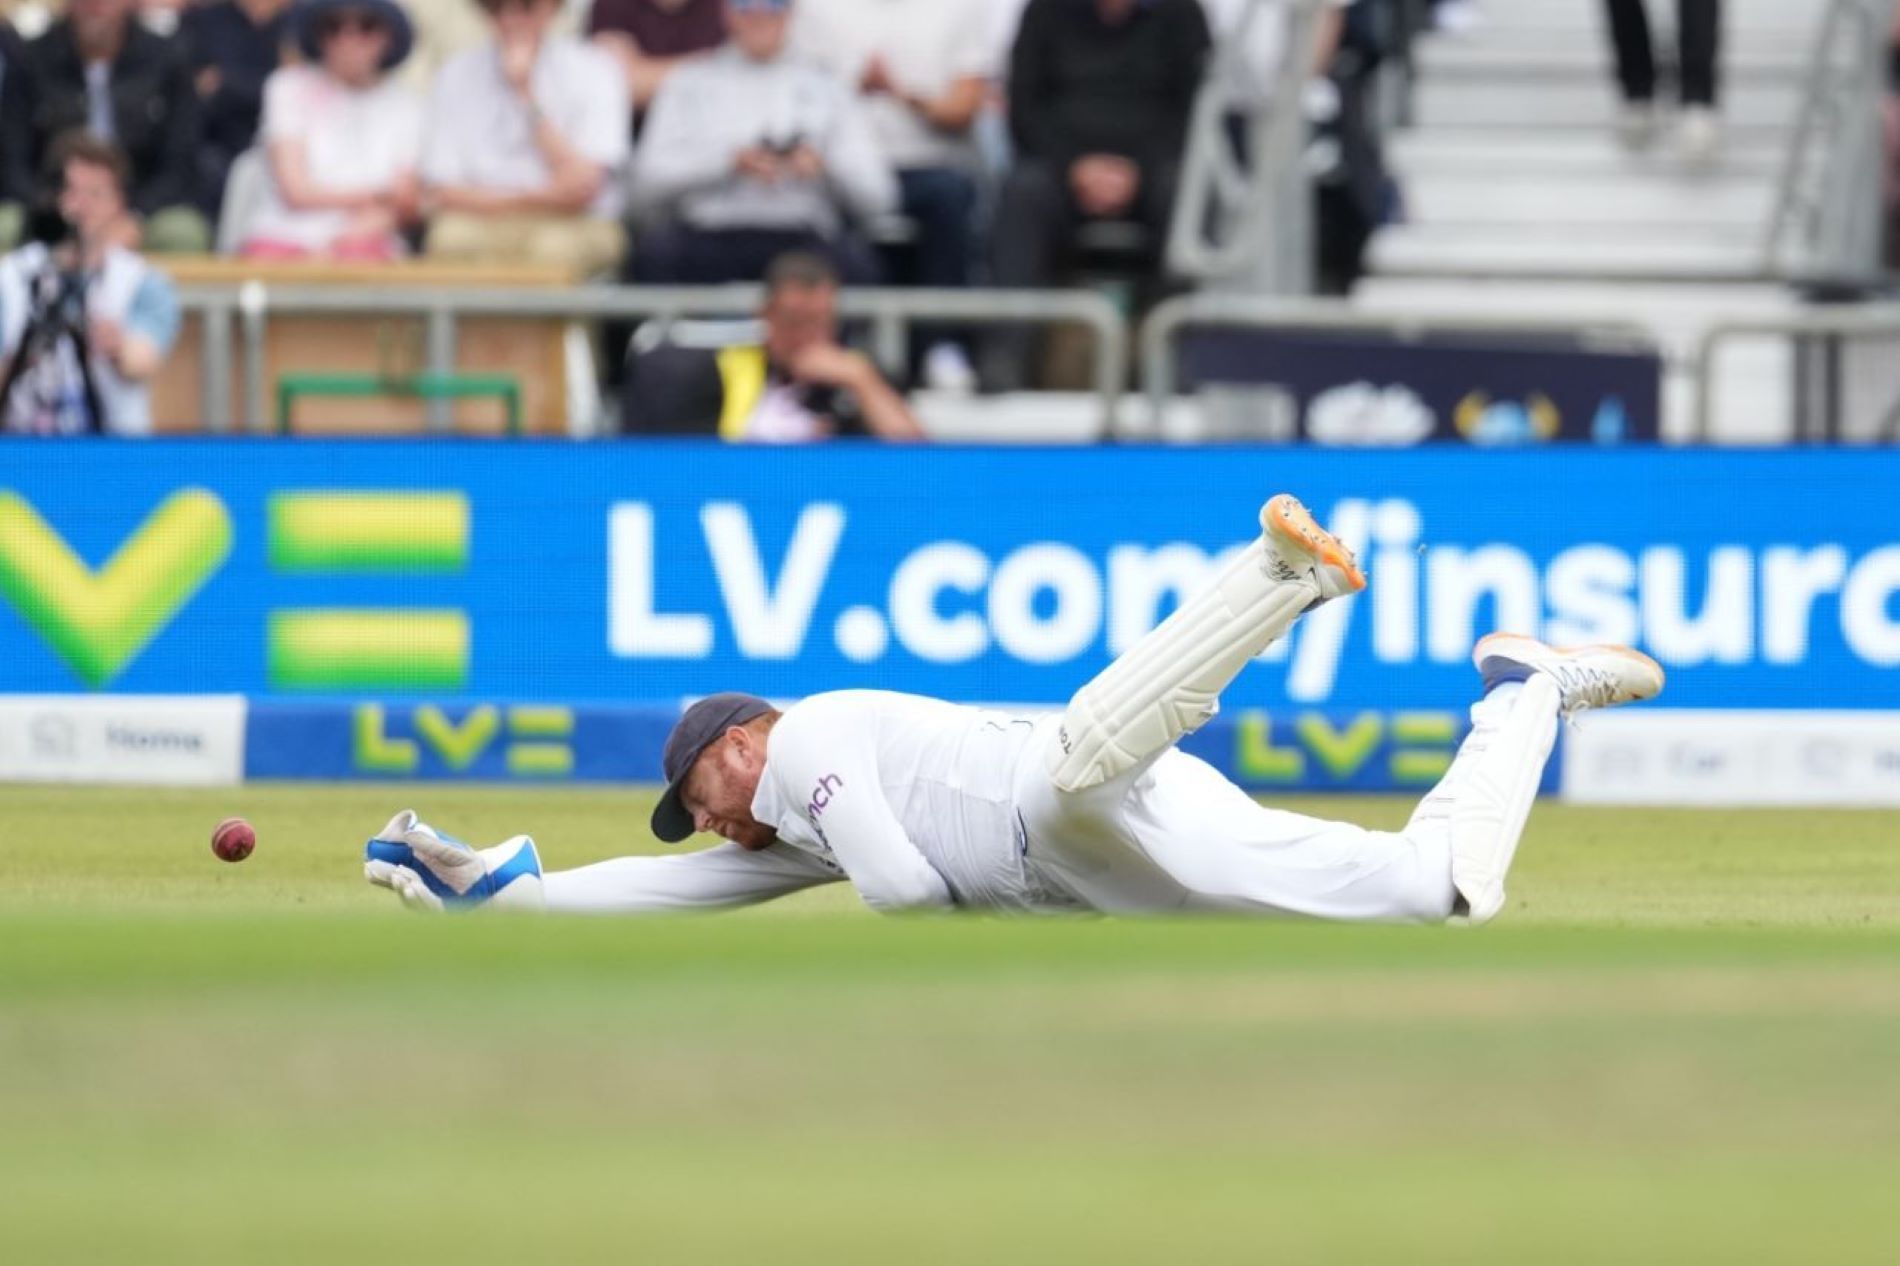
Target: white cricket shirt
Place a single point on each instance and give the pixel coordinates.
(912, 797)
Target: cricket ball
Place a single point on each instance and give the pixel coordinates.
(233, 840)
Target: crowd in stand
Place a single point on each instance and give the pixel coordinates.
(939, 143)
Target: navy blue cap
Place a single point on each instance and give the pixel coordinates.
(702, 725)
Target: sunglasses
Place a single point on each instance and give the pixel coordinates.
(759, 6)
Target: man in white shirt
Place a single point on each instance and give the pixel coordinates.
(922, 804)
(749, 153)
(922, 69)
(85, 324)
(527, 140)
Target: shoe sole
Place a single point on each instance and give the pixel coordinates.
(1492, 643)
(1292, 522)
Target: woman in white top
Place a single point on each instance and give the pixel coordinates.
(344, 139)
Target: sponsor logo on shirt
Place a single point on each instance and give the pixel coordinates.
(821, 796)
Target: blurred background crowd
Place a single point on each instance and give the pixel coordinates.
(922, 143)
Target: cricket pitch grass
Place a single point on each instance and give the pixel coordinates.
(1681, 1044)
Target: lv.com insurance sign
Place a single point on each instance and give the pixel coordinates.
(587, 572)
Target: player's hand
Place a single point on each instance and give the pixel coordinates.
(405, 883)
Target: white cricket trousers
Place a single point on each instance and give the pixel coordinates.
(1174, 835)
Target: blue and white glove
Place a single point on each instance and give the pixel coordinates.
(433, 871)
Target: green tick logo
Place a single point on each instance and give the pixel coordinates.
(99, 621)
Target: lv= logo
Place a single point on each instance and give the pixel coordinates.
(99, 621)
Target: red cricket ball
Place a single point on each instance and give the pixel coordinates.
(233, 840)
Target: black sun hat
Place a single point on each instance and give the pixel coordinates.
(308, 17)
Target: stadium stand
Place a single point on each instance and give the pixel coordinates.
(1468, 176)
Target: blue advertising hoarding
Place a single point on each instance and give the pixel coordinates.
(491, 573)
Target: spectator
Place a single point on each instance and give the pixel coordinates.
(1698, 35)
(751, 153)
(923, 69)
(1100, 93)
(234, 45)
(84, 323)
(445, 29)
(650, 38)
(98, 69)
(798, 385)
(344, 138)
(526, 141)
(12, 104)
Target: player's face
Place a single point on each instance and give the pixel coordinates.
(718, 791)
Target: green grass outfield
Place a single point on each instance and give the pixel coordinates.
(1681, 1044)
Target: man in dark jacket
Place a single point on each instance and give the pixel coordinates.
(98, 70)
(1100, 94)
(12, 101)
(233, 46)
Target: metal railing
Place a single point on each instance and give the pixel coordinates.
(1160, 358)
(1246, 220)
(1814, 406)
(249, 307)
(1827, 205)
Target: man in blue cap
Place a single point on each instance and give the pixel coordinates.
(922, 804)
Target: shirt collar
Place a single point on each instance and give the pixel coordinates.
(769, 806)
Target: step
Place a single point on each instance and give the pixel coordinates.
(1737, 15)
(1775, 59)
(1484, 103)
(1533, 251)
(1586, 204)
(1487, 153)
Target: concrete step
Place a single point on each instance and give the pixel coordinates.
(1483, 103)
(1490, 152)
(1659, 201)
(1540, 251)
(1737, 15)
(1775, 58)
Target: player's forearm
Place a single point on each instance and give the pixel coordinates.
(713, 879)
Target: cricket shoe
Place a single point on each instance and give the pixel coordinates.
(1300, 549)
(433, 871)
(1586, 676)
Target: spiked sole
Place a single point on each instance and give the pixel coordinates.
(1292, 522)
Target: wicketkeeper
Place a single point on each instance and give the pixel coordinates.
(922, 804)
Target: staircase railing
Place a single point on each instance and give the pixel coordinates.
(1827, 207)
(1243, 217)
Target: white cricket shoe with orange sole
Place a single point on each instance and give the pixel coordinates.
(1586, 676)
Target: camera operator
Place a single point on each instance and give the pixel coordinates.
(84, 322)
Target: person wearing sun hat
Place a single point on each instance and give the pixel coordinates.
(344, 139)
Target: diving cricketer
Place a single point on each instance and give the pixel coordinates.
(923, 805)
